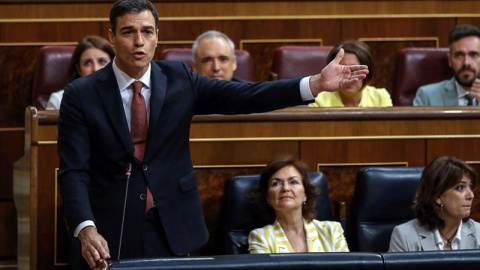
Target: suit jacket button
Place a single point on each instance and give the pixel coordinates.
(145, 167)
(143, 197)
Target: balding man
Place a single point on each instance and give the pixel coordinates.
(214, 56)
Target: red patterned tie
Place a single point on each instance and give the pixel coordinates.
(139, 129)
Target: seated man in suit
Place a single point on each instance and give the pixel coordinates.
(214, 56)
(464, 58)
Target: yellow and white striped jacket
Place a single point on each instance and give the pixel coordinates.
(322, 236)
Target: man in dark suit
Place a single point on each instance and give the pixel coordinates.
(112, 216)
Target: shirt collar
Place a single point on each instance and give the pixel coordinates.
(461, 92)
(457, 237)
(124, 81)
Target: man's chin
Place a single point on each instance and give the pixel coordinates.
(465, 82)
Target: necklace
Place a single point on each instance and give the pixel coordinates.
(448, 244)
(448, 241)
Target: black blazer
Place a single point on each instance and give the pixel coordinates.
(94, 145)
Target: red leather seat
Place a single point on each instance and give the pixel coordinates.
(51, 73)
(416, 67)
(245, 69)
(298, 61)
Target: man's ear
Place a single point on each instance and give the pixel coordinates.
(234, 64)
(111, 36)
(449, 59)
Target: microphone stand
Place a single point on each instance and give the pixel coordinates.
(128, 172)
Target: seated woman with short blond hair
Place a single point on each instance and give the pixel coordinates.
(286, 193)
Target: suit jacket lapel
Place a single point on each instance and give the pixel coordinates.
(427, 238)
(158, 88)
(108, 91)
(281, 240)
(449, 94)
(313, 241)
(468, 237)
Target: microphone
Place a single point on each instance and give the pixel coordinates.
(128, 173)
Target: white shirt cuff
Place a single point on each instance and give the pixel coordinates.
(305, 91)
(82, 225)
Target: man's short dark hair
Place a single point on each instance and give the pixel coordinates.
(462, 30)
(122, 7)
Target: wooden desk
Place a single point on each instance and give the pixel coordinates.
(338, 142)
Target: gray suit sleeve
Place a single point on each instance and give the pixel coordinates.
(421, 98)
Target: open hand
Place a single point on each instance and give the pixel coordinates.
(335, 76)
(475, 89)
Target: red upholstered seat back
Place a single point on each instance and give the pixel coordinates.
(299, 61)
(245, 69)
(51, 73)
(416, 67)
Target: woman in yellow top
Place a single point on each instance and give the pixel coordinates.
(359, 94)
(285, 188)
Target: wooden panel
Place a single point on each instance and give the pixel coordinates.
(472, 21)
(368, 8)
(340, 124)
(398, 28)
(18, 64)
(465, 149)
(239, 153)
(336, 141)
(8, 231)
(11, 149)
(47, 165)
(51, 31)
(341, 160)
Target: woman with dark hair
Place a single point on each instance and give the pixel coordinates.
(285, 188)
(442, 205)
(359, 94)
(91, 54)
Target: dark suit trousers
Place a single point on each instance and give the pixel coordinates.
(155, 242)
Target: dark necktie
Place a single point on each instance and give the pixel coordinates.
(469, 99)
(139, 128)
